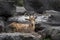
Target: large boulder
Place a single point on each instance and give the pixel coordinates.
(29, 5)
(42, 5)
(7, 8)
(18, 19)
(20, 11)
(38, 20)
(2, 24)
(55, 34)
(19, 36)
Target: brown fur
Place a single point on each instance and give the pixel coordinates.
(20, 27)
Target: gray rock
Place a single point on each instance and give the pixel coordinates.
(29, 5)
(18, 19)
(42, 5)
(2, 24)
(55, 35)
(7, 8)
(53, 32)
(43, 32)
(20, 11)
(19, 36)
(39, 18)
(54, 19)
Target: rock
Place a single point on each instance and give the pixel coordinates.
(42, 18)
(18, 19)
(2, 24)
(52, 25)
(43, 32)
(42, 5)
(55, 5)
(7, 9)
(29, 6)
(38, 20)
(55, 34)
(54, 19)
(19, 36)
(20, 11)
(50, 31)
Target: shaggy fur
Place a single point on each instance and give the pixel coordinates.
(20, 27)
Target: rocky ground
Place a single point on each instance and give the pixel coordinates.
(19, 36)
(44, 28)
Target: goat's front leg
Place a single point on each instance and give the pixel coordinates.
(14, 30)
(17, 30)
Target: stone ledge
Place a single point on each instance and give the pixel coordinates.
(20, 36)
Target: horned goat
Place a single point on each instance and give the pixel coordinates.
(21, 27)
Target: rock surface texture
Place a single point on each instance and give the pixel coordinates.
(19, 36)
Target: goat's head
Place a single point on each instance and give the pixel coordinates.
(31, 18)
